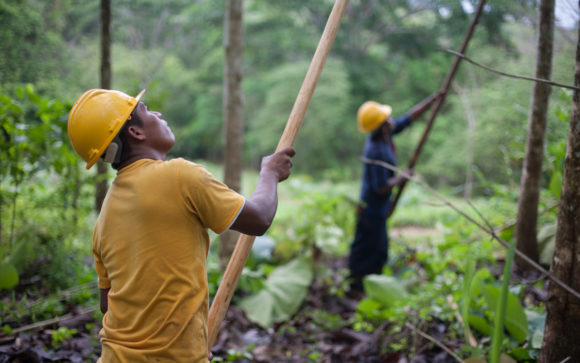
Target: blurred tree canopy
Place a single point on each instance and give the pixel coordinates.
(388, 51)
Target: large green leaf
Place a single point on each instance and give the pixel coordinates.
(480, 324)
(284, 292)
(516, 321)
(547, 242)
(21, 254)
(478, 282)
(537, 324)
(385, 289)
(8, 276)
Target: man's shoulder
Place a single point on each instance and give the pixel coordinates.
(188, 169)
(179, 163)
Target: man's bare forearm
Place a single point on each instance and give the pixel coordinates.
(417, 111)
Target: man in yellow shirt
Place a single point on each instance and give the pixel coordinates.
(151, 241)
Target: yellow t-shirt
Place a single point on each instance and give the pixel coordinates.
(150, 245)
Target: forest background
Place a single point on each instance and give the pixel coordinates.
(392, 52)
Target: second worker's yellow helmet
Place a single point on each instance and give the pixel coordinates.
(96, 118)
(371, 115)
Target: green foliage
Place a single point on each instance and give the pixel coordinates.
(285, 289)
(17, 311)
(441, 281)
(234, 355)
(547, 242)
(329, 321)
(499, 299)
(325, 222)
(384, 289)
(29, 49)
(491, 311)
(323, 124)
(466, 292)
(33, 127)
(41, 188)
(61, 336)
(555, 154)
(8, 276)
(386, 51)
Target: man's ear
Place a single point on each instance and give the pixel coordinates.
(136, 132)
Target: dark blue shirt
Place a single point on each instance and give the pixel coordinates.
(375, 176)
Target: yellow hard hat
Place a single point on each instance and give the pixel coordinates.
(96, 118)
(371, 115)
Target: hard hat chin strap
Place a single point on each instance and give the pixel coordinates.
(113, 152)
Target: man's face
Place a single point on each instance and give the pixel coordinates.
(389, 125)
(157, 132)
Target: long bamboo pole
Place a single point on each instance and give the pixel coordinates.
(439, 102)
(243, 247)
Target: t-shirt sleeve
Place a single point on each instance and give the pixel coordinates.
(103, 277)
(216, 205)
(401, 123)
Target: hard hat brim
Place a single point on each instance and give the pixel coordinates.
(94, 160)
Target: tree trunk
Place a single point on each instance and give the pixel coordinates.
(101, 184)
(562, 331)
(526, 224)
(233, 113)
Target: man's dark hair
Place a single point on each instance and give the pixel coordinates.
(123, 136)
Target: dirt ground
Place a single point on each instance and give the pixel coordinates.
(321, 331)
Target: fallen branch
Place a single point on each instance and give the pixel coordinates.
(428, 337)
(552, 83)
(58, 319)
(490, 231)
(470, 338)
(63, 293)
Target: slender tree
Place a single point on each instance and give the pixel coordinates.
(526, 224)
(233, 113)
(562, 331)
(101, 184)
(471, 120)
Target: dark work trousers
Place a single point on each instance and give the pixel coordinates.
(369, 250)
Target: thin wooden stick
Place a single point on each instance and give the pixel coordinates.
(552, 83)
(513, 223)
(439, 102)
(58, 319)
(243, 247)
(428, 337)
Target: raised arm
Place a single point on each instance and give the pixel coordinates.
(417, 111)
(259, 211)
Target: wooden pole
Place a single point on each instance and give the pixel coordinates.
(439, 102)
(241, 253)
